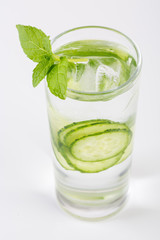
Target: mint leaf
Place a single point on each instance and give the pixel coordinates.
(80, 70)
(94, 63)
(36, 45)
(71, 67)
(71, 70)
(41, 70)
(57, 78)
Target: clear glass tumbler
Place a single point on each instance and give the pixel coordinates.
(93, 195)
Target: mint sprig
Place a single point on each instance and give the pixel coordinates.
(37, 46)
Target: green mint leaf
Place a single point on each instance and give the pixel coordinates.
(57, 78)
(36, 45)
(80, 70)
(71, 67)
(71, 70)
(41, 70)
(94, 63)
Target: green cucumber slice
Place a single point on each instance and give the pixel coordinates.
(91, 167)
(92, 128)
(61, 159)
(72, 127)
(126, 153)
(101, 146)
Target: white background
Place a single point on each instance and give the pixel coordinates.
(28, 207)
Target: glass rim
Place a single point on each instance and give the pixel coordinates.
(119, 89)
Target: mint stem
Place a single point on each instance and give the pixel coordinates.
(72, 60)
(55, 57)
(78, 60)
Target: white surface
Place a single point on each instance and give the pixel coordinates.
(28, 209)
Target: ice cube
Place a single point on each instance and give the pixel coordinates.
(87, 80)
(98, 74)
(106, 78)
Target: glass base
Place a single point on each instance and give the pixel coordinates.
(93, 196)
(94, 206)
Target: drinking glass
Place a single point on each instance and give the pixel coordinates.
(93, 195)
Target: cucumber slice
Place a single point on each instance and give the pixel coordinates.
(72, 127)
(127, 152)
(61, 159)
(101, 146)
(92, 128)
(91, 167)
(94, 167)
